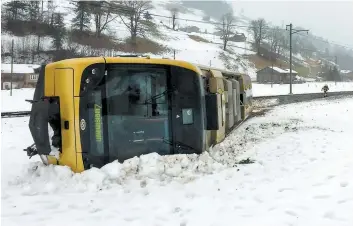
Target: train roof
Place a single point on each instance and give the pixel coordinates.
(204, 67)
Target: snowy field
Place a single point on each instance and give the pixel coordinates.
(309, 87)
(302, 175)
(17, 101)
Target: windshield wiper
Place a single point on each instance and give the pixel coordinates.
(157, 96)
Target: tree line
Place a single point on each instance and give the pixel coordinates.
(41, 18)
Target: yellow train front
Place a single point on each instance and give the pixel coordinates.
(103, 109)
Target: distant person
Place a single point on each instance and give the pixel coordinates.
(325, 89)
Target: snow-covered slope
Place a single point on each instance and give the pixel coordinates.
(301, 176)
(207, 53)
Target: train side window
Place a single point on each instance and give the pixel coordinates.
(206, 84)
(241, 99)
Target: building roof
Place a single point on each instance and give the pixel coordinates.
(280, 70)
(19, 68)
(346, 71)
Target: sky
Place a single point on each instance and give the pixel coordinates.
(330, 19)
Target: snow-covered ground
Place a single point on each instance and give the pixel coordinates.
(17, 101)
(309, 87)
(301, 176)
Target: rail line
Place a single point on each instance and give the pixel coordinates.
(282, 99)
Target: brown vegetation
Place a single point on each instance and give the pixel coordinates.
(261, 62)
(198, 38)
(22, 28)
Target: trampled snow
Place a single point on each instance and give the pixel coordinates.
(301, 175)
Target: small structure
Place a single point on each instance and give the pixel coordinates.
(23, 76)
(347, 75)
(275, 75)
(238, 37)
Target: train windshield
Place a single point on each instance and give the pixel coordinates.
(130, 112)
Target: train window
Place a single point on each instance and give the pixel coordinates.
(188, 116)
(137, 109)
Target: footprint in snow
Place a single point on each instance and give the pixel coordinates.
(321, 196)
(344, 184)
(285, 189)
(291, 213)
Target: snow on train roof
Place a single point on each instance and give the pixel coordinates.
(19, 68)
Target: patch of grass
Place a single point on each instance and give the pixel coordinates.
(142, 45)
(89, 38)
(198, 38)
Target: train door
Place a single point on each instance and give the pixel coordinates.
(187, 111)
(63, 88)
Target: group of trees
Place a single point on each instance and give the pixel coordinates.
(92, 18)
(330, 73)
(41, 18)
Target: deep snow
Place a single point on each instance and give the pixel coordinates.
(301, 176)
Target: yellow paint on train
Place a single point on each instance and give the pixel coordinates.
(63, 79)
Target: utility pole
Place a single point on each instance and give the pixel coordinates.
(336, 68)
(11, 67)
(291, 32)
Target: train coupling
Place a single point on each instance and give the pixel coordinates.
(31, 150)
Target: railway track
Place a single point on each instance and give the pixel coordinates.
(15, 114)
(282, 99)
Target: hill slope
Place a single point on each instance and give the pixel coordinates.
(197, 47)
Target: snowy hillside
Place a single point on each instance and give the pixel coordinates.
(301, 176)
(206, 51)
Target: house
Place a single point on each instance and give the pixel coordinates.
(190, 29)
(275, 75)
(239, 37)
(23, 76)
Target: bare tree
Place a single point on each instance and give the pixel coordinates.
(132, 17)
(51, 8)
(174, 12)
(274, 37)
(226, 28)
(40, 19)
(103, 13)
(258, 28)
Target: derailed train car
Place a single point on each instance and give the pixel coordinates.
(103, 109)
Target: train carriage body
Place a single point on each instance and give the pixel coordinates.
(103, 109)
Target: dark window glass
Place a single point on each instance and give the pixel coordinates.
(137, 110)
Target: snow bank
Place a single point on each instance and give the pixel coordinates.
(37, 178)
